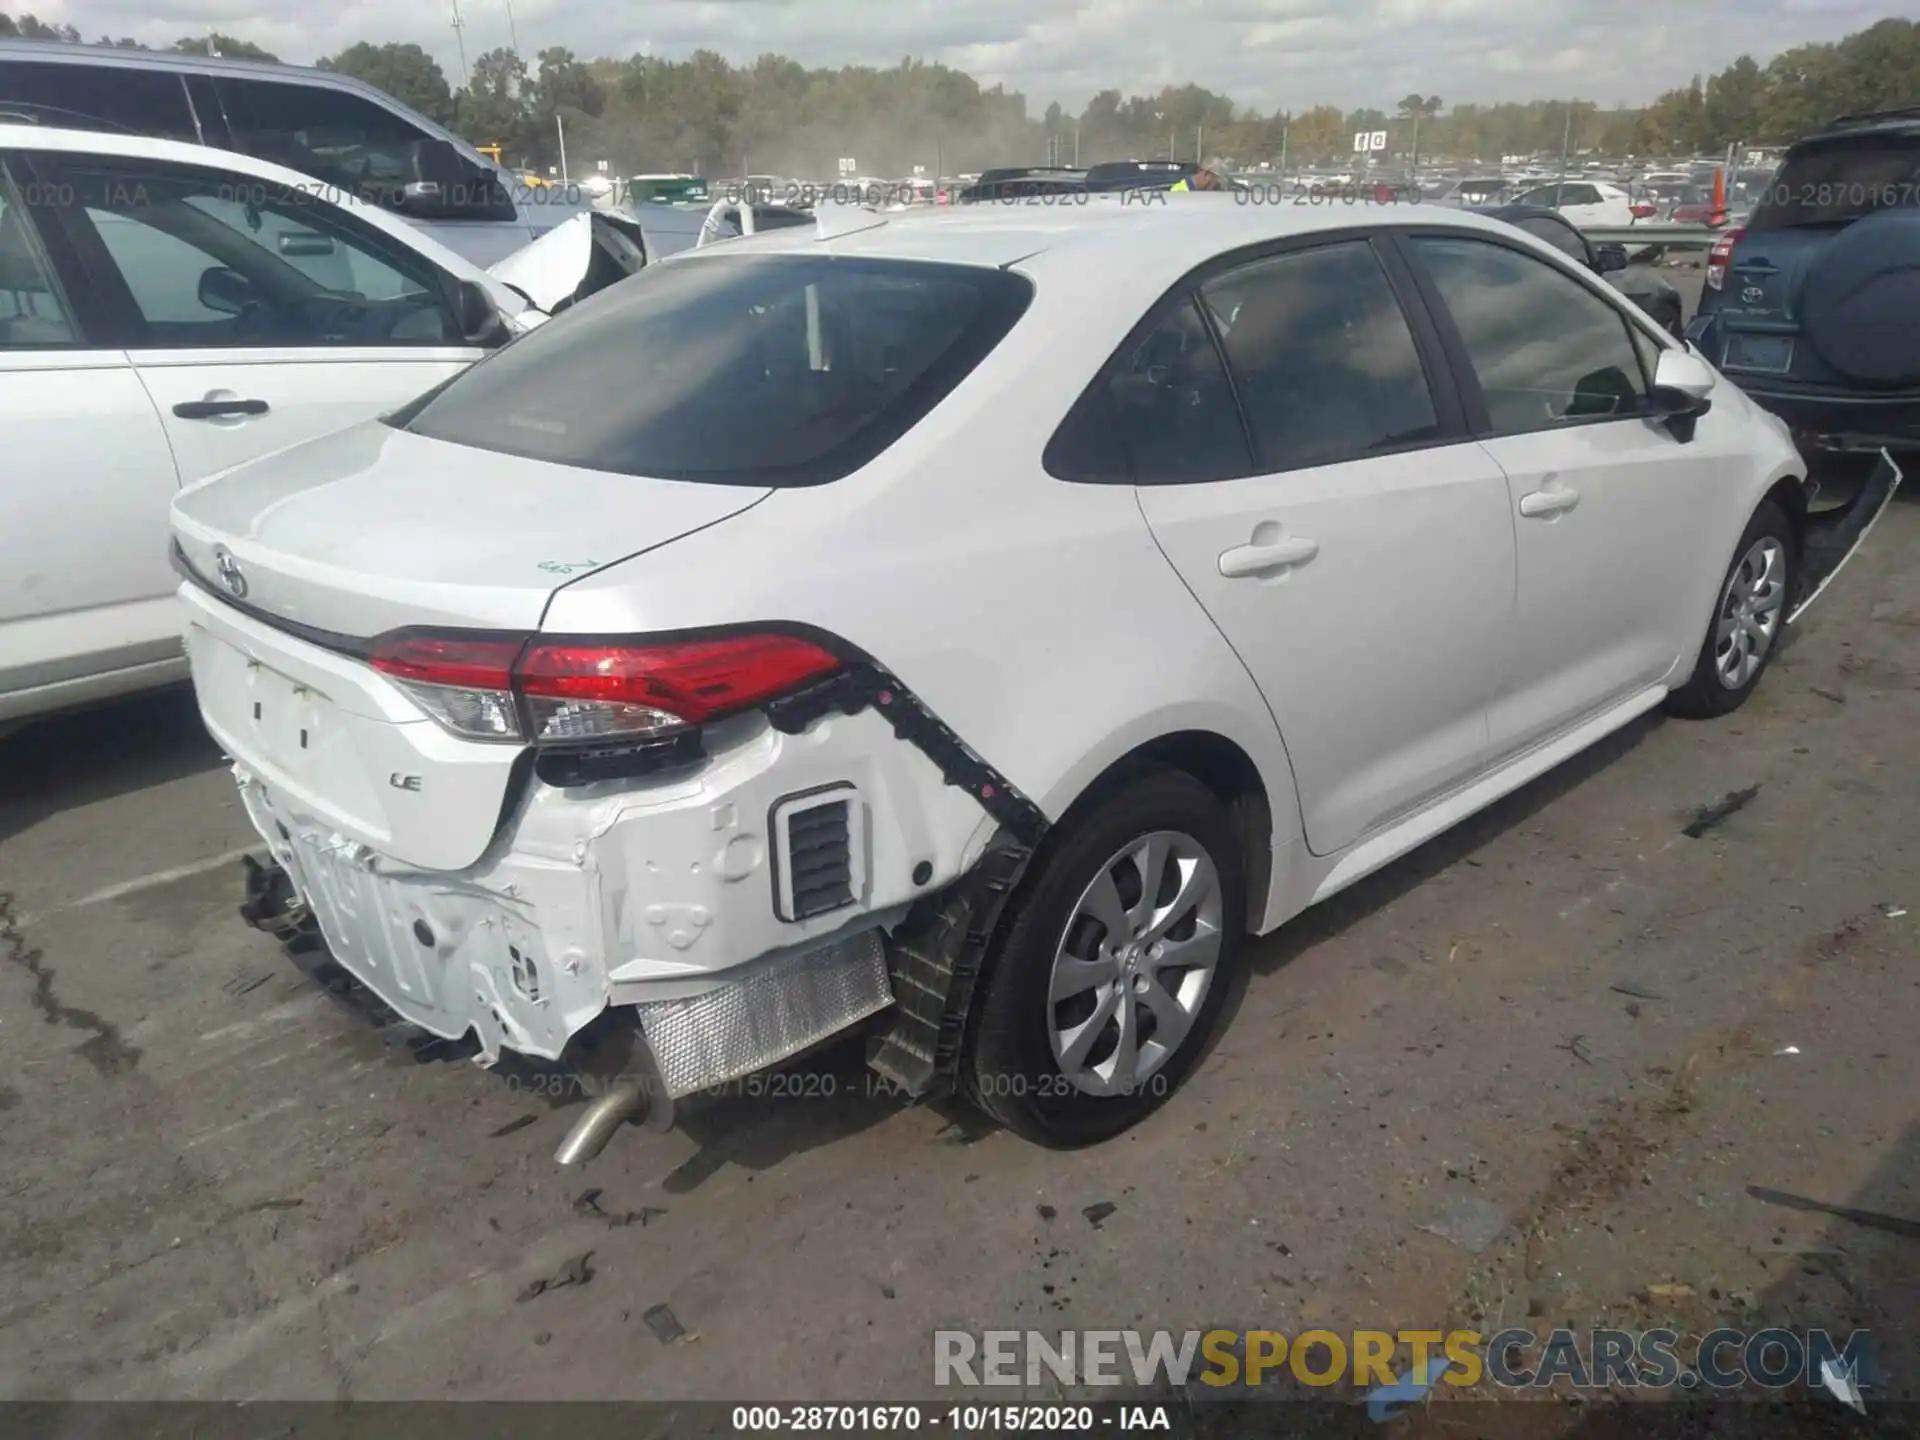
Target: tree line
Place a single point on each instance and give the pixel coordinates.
(708, 116)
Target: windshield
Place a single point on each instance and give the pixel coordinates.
(1837, 181)
(747, 370)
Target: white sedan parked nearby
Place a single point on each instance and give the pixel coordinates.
(1583, 202)
(168, 311)
(971, 623)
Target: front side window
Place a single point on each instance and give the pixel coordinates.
(1322, 358)
(1545, 348)
(211, 258)
(748, 370)
(32, 314)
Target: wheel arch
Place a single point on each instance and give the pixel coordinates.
(1263, 820)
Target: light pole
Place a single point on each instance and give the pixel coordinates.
(513, 35)
(460, 39)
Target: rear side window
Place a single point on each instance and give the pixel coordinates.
(121, 98)
(1162, 413)
(355, 145)
(1322, 357)
(746, 370)
(1835, 182)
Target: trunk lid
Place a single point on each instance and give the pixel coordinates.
(373, 528)
(577, 257)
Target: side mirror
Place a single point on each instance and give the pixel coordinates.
(477, 319)
(422, 197)
(224, 291)
(1682, 385)
(1609, 258)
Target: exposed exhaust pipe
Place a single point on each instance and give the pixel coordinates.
(596, 1125)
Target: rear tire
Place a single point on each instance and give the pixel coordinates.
(1749, 619)
(1069, 1044)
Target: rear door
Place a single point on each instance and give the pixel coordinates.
(257, 315)
(1615, 517)
(84, 582)
(1317, 494)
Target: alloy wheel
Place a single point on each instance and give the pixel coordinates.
(1750, 611)
(1135, 963)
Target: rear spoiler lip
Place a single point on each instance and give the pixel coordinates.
(333, 640)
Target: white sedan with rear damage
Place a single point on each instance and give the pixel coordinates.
(970, 626)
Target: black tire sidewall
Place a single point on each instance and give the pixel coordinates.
(1011, 1071)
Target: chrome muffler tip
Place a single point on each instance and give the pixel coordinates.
(596, 1125)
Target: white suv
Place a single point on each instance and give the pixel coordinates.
(168, 311)
(978, 620)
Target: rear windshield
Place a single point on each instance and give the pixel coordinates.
(740, 370)
(1838, 181)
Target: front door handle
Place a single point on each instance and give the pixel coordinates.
(212, 409)
(1548, 502)
(1244, 560)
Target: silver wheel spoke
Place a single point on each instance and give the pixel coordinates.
(1196, 884)
(1122, 1069)
(1151, 861)
(1079, 1041)
(1072, 976)
(1102, 902)
(1171, 1018)
(1197, 952)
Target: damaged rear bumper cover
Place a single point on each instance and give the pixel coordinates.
(582, 909)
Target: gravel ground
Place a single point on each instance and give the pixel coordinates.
(1567, 1019)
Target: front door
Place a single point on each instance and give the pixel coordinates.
(257, 316)
(1609, 505)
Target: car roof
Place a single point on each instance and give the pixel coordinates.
(1901, 119)
(181, 152)
(113, 57)
(1151, 241)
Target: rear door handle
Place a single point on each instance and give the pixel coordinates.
(211, 409)
(1548, 502)
(1244, 560)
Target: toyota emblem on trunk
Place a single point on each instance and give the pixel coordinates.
(230, 573)
(1753, 295)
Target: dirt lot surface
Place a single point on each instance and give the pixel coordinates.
(1520, 1077)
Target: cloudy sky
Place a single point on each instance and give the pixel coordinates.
(1265, 53)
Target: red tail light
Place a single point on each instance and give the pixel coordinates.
(517, 687)
(1720, 256)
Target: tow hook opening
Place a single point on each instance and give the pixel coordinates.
(273, 904)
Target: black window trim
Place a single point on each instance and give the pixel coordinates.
(116, 316)
(1449, 402)
(1479, 418)
(1007, 295)
(73, 287)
